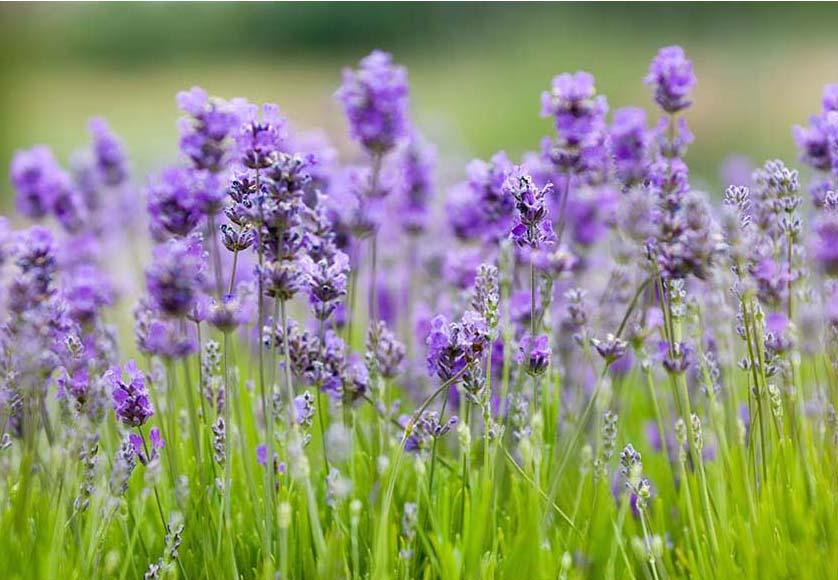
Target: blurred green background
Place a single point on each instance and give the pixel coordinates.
(476, 70)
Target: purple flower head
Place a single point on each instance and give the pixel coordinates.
(384, 351)
(453, 346)
(172, 202)
(87, 291)
(260, 137)
(108, 153)
(427, 428)
(375, 101)
(326, 282)
(237, 239)
(630, 145)
(772, 280)
(812, 144)
(415, 166)
(693, 241)
(68, 205)
(75, 385)
(31, 172)
(35, 256)
(671, 74)
(262, 458)
(303, 409)
(578, 112)
(233, 310)
(176, 275)
(676, 360)
(206, 130)
(817, 141)
(825, 242)
(610, 348)
(672, 145)
(533, 228)
(534, 354)
(139, 445)
(43, 187)
(356, 378)
(487, 210)
(281, 279)
(130, 398)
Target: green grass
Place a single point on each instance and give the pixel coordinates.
(762, 517)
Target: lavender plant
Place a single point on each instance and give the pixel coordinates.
(468, 421)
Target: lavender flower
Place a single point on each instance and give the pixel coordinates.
(326, 281)
(454, 346)
(671, 75)
(579, 116)
(108, 153)
(130, 399)
(206, 131)
(611, 348)
(375, 101)
(123, 466)
(175, 276)
(139, 444)
(160, 337)
(260, 136)
(630, 145)
(384, 352)
(427, 428)
(534, 354)
(480, 209)
(232, 310)
(825, 243)
(533, 228)
(303, 408)
(415, 164)
(578, 112)
(33, 174)
(172, 204)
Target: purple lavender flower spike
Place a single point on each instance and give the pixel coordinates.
(108, 153)
(453, 346)
(578, 112)
(260, 137)
(172, 204)
(375, 100)
(533, 229)
(130, 398)
(415, 164)
(671, 75)
(31, 172)
(87, 291)
(427, 428)
(825, 243)
(206, 131)
(176, 275)
(326, 281)
(534, 354)
(160, 337)
(630, 145)
(304, 409)
(384, 351)
(232, 310)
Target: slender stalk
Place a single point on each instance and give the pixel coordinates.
(156, 494)
(267, 407)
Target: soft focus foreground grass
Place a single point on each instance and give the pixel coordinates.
(784, 529)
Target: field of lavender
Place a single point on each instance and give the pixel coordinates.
(570, 365)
